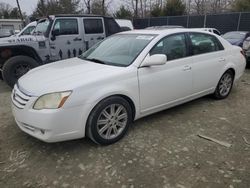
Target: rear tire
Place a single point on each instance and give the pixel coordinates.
(225, 85)
(17, 66)
(109, 120)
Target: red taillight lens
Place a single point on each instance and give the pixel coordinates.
(243, 53)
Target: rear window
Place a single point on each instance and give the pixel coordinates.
(93, 26)
(204, 43)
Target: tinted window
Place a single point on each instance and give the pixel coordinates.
(216, 32)
(66, 26)
(112, 26)
(202, 43)
(173, 46)
(93, 26)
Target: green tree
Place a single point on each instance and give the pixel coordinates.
(241, 5)
(174, 8)
(99, 7)
(123, 13)
(14, 13)
(50, 7)
(156, 11)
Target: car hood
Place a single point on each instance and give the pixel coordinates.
(65, 75)
(234, 41)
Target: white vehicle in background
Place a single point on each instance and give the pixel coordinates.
(27, 30)
(211, 30)
(55, 37)
(125, 24)
(121, 79)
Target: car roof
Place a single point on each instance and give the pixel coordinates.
(79, 15)
(162, 31)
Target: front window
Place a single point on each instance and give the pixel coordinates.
(28, 30)
(42, 27)
(174, 47)
(118, 50)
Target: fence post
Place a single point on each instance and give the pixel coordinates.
(205, 21)
(238, 26)
(187, 21)
(167, 20)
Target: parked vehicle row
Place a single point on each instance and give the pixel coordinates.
(125, 77)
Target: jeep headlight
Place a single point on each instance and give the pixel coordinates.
(51, 100)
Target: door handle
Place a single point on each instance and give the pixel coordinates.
(100, 38)
(222, 59)
(77, 39)
(186, 68)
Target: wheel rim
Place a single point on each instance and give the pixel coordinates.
(112, 121)
(21, 69)
(225, 84)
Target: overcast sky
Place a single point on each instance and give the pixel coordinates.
(26, 5)
(29, 6)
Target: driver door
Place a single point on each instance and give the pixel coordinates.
(65, 39)
(164, 85)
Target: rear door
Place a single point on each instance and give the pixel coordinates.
(208, 61)
(68, 41)
(94, 31)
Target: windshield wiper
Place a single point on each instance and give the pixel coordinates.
(95, 60)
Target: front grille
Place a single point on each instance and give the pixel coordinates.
(19, 98)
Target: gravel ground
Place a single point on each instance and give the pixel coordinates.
(162, 150)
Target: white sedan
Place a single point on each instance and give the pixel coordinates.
(121, 79)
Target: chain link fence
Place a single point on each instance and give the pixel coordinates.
(239, 21)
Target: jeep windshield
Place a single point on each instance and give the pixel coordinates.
(118, 50)
(42, 27)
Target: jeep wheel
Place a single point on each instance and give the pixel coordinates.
(17, 66)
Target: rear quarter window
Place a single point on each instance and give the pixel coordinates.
(204, 43)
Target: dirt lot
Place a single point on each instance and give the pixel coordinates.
(162, 150)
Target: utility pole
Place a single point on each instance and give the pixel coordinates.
(20, 12)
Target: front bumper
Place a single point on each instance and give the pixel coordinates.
(51, 125)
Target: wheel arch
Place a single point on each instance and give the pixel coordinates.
(126, 97)
(7, 52)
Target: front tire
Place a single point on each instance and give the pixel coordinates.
(109, 120)
(17, 66)
(225, 85)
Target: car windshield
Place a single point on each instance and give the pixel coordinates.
(42, 27)
(234, 35)
(118, 50)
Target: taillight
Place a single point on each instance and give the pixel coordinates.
(243, 53)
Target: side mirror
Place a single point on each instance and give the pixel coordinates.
(54, 33)
(154, 60)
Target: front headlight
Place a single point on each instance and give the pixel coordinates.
(51, 100)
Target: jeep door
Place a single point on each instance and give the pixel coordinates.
(65, 38)
(94, 31)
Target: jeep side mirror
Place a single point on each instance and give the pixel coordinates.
(54, 33)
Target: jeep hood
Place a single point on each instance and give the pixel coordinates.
(21, 40)
(65, 75)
